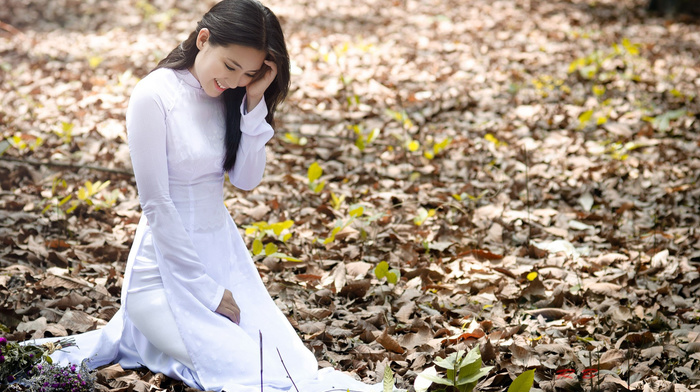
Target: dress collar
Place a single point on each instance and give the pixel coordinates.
(188, 78)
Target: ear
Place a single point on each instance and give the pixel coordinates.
(202, 38)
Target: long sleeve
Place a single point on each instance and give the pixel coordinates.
(250, 159)
(146, 126)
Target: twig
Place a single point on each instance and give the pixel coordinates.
(285, 369)
(9, 28)
(67, 165)
(261, 362)
(527, 196)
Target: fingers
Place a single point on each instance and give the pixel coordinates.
(272, 65)
(229, 308)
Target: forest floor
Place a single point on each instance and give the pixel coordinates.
(527, 169)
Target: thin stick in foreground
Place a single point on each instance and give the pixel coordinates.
(285, 369)
(261, 361)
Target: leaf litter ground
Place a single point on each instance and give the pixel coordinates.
(528, 168)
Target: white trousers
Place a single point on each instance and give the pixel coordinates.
(151, 315)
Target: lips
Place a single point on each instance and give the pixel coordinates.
(219, 86)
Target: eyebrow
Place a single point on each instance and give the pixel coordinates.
(238, 65)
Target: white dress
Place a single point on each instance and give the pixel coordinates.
(187, 242)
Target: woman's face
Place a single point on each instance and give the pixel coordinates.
(218, 68)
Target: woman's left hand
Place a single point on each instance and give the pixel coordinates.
(256, 88)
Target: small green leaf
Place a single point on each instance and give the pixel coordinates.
(4, 145)
(388, 379)
(381, 269)
(523, 383)
(393, 275)
(423, 214)
(436, 379)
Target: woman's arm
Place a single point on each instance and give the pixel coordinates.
(251, 158)
(145, 122)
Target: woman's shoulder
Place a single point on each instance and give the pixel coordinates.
(161, 85)
(158, 80)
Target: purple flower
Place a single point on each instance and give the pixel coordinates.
(3, 341)
(31, 355)
(10, 378)
(2, 358)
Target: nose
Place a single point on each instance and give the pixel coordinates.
(239, 80)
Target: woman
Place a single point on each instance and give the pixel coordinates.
(193, 304)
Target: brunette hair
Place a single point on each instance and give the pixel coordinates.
(247, 23)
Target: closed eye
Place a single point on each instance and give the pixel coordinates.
(229, 68)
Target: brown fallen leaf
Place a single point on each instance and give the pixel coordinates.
(355, 289)
(550, 313)
(390, 343)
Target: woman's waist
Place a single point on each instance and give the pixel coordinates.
(202, 215)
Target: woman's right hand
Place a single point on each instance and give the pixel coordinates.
(228, 307)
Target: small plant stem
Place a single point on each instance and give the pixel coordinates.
(285, 369)
(261, 361)
(67, 165)
(527, 196)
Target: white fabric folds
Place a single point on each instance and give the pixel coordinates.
(176, 139)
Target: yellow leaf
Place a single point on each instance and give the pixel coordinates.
(598, 90)
(292, 138)
(82, 194)
(319, 187)
(357, 212)
(457, 197)
(65, 200)
(676, 93)
(270, 248)
(413, 146)
(257, 247)
(315, 171)
(532, 276)
(429, 154)
(601, 120)
(73, 206)
(337, 201)
(251, 231)
(373, 135)
(584, 118)
(360, 143)
(286, 237)
(494, 140)
(331, 238)
(95, 61)
(576, 64)
(633, 49)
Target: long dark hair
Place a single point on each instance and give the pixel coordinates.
(247, 23)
